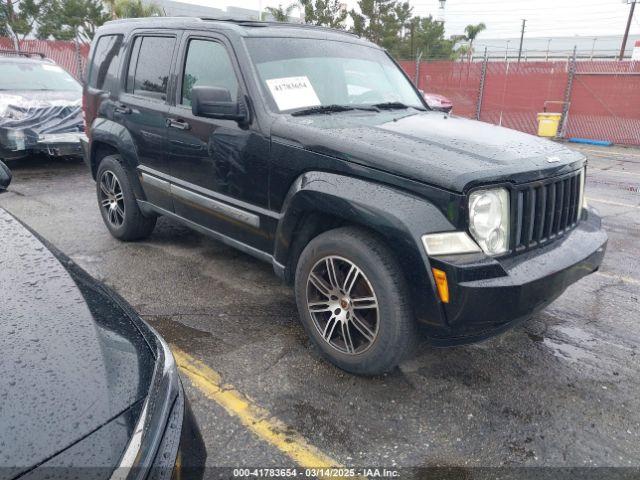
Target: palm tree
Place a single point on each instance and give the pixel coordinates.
(471, 32)
(279, 13)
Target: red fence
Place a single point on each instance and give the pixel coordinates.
(63, 53)
(604, 97)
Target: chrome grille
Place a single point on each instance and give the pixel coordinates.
(546, 210)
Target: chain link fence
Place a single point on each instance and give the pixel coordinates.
(600, 100)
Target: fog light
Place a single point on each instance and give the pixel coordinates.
(441, 282)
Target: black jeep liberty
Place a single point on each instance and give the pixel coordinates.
(310, 149)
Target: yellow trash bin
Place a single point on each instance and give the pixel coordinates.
(548, 124)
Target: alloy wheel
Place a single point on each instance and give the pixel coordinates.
(112, 198)
(343, 305)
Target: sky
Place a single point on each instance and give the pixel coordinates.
(504, 17)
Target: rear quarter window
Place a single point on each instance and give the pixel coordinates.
(105, 70)
(149, 67)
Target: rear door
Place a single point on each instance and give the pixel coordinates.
(143, 108)
(219, 168)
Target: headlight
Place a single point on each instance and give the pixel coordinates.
(489, 219)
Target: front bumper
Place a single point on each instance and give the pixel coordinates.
(490, 295)
(52, 144)
(60, 144)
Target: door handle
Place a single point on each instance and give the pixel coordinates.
(122, 108)
(177, 123)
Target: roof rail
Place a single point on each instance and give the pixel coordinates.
(23, 54)
(263, 23)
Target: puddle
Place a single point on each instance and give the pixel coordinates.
(568, 343)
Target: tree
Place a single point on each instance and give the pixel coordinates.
(327, 13)
(376, 21)
(428, 38)
(19, 23)
(471, 32)
(390, 24)
(133, 9)
(71, 20)
(279, 13)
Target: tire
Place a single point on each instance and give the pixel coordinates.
(117, 202)
(379, 338)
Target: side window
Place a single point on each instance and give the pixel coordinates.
(207, 64)
(149, 67)
(106, 62)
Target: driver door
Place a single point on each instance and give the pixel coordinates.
(219, 167)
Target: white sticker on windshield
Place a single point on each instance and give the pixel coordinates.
(51, 68)
(293, 92)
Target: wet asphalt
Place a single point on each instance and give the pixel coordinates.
(561, 390)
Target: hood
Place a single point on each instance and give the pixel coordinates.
(35, 113)
(431, 147)
(70, 357)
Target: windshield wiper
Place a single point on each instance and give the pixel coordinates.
(331, 109)
(393, 106)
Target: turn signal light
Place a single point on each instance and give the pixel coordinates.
(441, 283)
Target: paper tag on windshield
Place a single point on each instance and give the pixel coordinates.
(51, 68)
(293, 92)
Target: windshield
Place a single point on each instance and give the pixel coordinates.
(303, 73)
(36, 76)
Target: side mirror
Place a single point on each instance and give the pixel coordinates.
(5, 177)
(216, 102)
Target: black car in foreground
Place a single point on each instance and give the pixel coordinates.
(40, 108)
(87, 389)
(310, 149)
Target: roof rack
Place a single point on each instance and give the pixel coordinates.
(23, 54)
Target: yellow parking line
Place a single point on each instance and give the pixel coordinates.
(252, 416)
(609, 202)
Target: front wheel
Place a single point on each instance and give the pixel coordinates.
(117, 202)
(353, 302)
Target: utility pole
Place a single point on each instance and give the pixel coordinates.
(626, 32)
(524, 22)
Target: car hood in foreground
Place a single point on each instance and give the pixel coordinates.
(71, 359)
(430, 147)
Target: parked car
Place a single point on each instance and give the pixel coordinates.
(88, 389)
(437, 102)
(40, 108)
(386, 217)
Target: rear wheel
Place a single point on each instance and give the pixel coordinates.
(117, 202)
(352, 299)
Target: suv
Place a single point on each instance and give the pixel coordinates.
(310, 149)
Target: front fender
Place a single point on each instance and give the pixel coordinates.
(401, 218)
